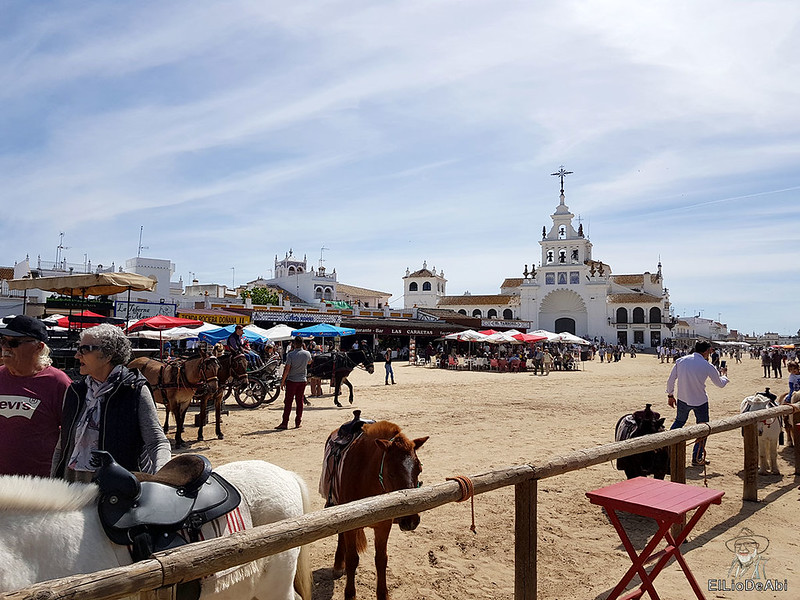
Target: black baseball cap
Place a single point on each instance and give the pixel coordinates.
(25, 326)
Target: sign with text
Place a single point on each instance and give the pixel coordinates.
(143, 310)
(290, 317)
(221, 319)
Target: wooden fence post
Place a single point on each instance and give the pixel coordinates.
(750, 435)
(525, 499)
(677, 474)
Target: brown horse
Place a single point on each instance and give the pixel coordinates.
(379, 460)
(176, 383)
(230, 365)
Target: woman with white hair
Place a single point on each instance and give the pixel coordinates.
(110, 409)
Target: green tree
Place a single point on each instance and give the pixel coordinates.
(261, 296)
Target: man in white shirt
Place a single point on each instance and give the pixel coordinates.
(691, 373)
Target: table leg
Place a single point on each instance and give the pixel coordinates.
(638, 560)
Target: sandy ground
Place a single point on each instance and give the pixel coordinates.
(480, 421)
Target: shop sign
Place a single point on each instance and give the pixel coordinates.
(395, 331)
(143, 310)
(492, 323)
(217, 319)
(288, 317)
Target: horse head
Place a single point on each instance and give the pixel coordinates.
(400, 470)
(209, 369)
(367, 360)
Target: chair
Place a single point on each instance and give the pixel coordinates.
(493, 364)
(462, 363)
(451, 362)
(502, 365)
(513, 366)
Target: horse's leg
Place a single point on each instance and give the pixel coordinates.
(350, 563)
(762, 455)
(218, 413)
(180, 418)
(346, 381)
(203, 416)
(337, 387)
(338, 559)
(166, 419)
(382, 531)
(773, 453)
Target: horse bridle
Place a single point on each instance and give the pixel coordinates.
(380, 472)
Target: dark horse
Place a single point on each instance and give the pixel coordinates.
(177, 383)
(336, 366)
(371, 459)
(652, 462)
(230, 365)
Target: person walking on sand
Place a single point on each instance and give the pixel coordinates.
(294, 382)
(387, 356)
(691, 373)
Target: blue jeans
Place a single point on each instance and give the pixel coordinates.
(389, 372)
(701, 416)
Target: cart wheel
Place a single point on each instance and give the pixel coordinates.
(251, 395)
(273, 390)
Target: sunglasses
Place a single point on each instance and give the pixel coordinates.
(86, 348)
(11, 342)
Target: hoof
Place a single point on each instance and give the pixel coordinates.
(351, 400)
(763, 472)
(337, 573)
(220, 436)
(199, 437)
(337, 403)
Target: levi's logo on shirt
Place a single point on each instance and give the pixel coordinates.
(18, 406)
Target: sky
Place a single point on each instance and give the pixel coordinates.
(392, 133)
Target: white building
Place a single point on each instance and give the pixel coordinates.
(569, 291)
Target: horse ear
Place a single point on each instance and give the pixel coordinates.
(419, 441)
(383, 444)
(660, 422)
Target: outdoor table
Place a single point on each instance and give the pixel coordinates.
(667, 504)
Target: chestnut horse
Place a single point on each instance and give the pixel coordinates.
(380, 459)
(176, 383)
(230, 365)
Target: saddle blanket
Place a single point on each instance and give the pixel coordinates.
(331, 477)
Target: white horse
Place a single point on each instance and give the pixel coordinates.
(50, 529)
(769, 430)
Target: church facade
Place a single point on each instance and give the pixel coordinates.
(569, 291)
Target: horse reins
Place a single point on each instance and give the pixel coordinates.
(380, 472)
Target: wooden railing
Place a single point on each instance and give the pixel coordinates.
(165, 569)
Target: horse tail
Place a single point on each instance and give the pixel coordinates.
(303, 579)
(361, 540)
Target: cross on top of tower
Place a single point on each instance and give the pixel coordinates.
(561, 173)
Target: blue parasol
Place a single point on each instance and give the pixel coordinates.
(324, 330)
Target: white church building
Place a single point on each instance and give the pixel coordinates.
(569, 291)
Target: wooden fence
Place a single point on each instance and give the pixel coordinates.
(165, 569)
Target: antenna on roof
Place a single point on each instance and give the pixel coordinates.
(139, 252)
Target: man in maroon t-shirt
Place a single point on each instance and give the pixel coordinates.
(31, 399)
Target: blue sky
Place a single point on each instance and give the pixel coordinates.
(396, 132)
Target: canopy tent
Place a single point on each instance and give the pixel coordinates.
(221, 334)
(91, 284)
(279, 333)
(551, 337)
(502, 337)
(468, 335)
(86, 319)
(324, 330)
(176, 333)
(573, 339)
(162, 322)
(529, 338)
(488, 332)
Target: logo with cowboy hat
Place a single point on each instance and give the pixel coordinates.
(749, 561)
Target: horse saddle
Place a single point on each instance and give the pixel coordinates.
(157, 512)
(350, 430)
(335, 449)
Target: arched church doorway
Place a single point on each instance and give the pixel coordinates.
(622, 338)
(565, 325)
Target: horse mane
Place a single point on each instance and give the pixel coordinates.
(38, 494)
(383, 430)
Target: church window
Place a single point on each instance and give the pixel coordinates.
(476, 312)
(574, 277)
(638, 315)
(426, 287)
(462, 312)
(291, 270)
(562, 232)
(299, 269)
(562, 278)
(508, 314)
(549, 278)
(574, 255)
(491, 314)
(622, 315)
(328, 293)
(412, 287)
(549, 257)
(655, 315)
(562, 257)
(318, 293)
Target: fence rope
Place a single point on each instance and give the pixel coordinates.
(467, 493)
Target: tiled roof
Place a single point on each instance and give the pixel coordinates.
(496, 299)
(6, 272)
(421, 273)
(628, 279)
(353, 290)
(632, 297)
(512, 282)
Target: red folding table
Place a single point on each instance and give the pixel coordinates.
(666, 503)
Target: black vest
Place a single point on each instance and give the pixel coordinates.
(119, 421)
